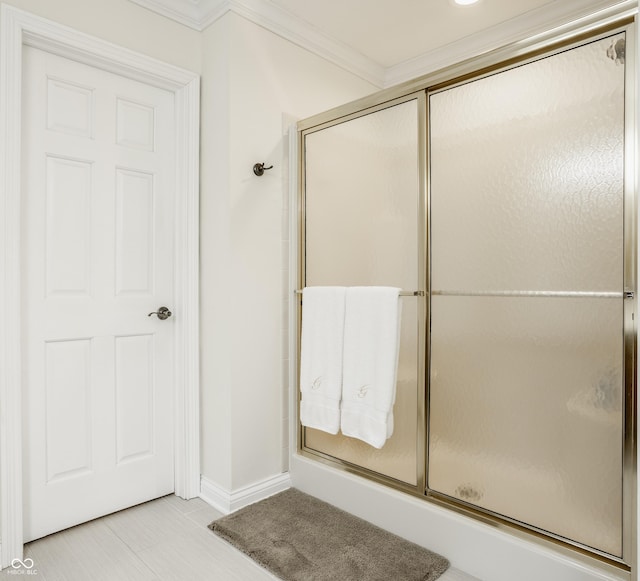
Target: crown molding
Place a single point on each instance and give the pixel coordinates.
(543, 21)
(198, 14)
(187, 12)
(309, 37)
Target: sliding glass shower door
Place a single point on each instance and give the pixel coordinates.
(528, 307)
(363, 225)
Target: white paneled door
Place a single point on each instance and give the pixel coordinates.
(97, 258)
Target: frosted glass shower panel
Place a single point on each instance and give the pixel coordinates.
(361, 228)
(361, 200)
(527, 176)
(526, 400)
(526, 411)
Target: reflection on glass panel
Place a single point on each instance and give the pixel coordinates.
(361, 208)
(527, 176)
(526, 401)
(526, 394)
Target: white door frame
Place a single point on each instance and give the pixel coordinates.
(19, 28)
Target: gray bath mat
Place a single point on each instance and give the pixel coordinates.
(300, 538)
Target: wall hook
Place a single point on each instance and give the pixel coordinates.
(259, 168)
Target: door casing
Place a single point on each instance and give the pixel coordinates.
(19, 28)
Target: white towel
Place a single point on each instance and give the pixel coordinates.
(321, 357)
(371, 347)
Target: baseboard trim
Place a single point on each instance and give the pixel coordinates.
(228, 501)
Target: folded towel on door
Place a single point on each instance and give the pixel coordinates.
(321, 357)
(371, 347)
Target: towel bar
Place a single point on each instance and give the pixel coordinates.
(534, 294)
(548, 294)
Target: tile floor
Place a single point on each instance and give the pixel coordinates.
(163, 540)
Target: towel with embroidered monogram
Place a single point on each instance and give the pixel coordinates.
(321, 357)
(370, 363)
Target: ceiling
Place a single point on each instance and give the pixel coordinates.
(390, 41)
(390, 32)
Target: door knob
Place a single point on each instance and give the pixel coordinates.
(162, 313)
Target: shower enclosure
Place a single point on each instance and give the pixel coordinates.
(500, 197)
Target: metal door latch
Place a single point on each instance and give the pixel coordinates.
(162, 313)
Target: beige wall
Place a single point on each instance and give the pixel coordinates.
(258, 77)
(126, 24)
(215, 258)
